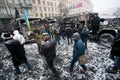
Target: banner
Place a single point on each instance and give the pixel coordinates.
(79, 5)
(76, 6)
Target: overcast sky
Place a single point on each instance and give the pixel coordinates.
(103, 5)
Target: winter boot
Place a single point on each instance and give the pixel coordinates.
(83, 71)
(17, 70)
(112, 70)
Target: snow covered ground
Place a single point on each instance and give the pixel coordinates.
(98, 62)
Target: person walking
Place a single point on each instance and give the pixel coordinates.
(17, 52)
(57, 36)
(69, 34)
(78, 50)
(38, 38)
(84, 34)
(115, 54)
(95, 25)
(48, 49)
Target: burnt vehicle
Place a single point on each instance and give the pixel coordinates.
(107, 31)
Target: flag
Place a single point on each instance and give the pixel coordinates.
(79, 5)
(26, 20)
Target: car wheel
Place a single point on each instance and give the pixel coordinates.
(106, 39)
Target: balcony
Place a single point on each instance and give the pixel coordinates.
(5, 16)
(26, 5)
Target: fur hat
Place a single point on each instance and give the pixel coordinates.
(6, 36)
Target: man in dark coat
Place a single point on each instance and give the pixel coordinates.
(115, 54)
(78, 50)
(95, 25)
(48, 49)
(69, 34)
(84, 34)
(17, 52)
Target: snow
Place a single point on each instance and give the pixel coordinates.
(98, 56)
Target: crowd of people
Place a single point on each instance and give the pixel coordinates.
(48, 40)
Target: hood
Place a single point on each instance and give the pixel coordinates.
(16, 32)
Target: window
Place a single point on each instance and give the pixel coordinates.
(55, 4)
(49, 9)
(49, 15)
(12, 10)
(43, 2)
(35, 8)
(36, 14)
(44, 8)
(38, 1)
(48, 3)
(3, 12)
(52, 10)
(45, 15)
(10, 1)
(30, 1)
(33, 1)
(40, 9)
(1, 1)
(22, 2)
(51, 4)
(29, 12)
(16, 1)
(52, 15)
(41, 15)
(27, 2)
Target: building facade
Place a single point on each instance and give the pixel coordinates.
(55, 8)
(7, 9)
(46, 8)
(80, 6)
(43, 8)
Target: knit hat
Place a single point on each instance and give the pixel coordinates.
(45, 34)
(6, 36)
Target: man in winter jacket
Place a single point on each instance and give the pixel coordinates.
(115, 54)
(17, 52)
(84, 34)
(77, 51)
(69, 34)
(57, 36)
(48, 49)
(95, 25)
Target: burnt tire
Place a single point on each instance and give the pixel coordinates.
(106, 39)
